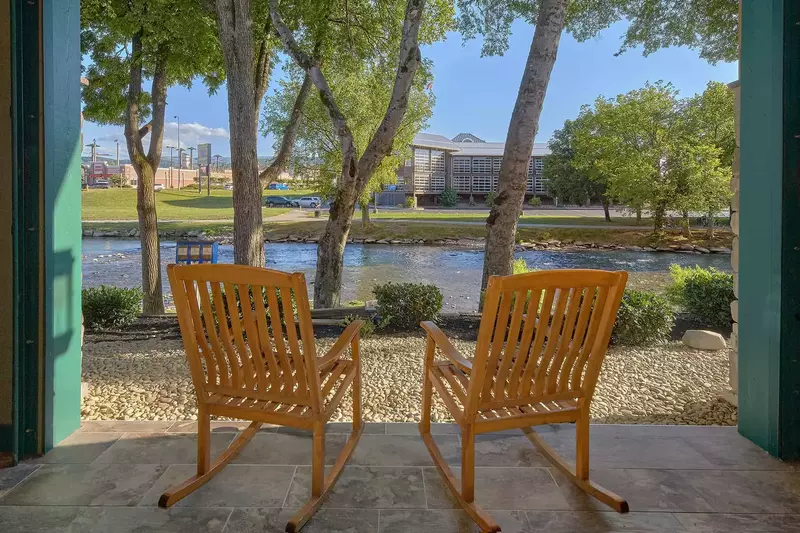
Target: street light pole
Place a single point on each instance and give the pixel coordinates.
(117, 142)
(180, 160)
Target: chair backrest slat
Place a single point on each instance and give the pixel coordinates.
(240, 333)
(543, 337)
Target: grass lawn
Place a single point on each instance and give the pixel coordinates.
(171, 204)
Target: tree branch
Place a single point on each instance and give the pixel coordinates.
(408, 64)
(281, 161)
(159, 95)
(144, 130)
(132, 137)
(261, 81)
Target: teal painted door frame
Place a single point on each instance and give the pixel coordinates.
(769, 226)
(47, 223)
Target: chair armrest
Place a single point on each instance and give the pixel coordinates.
(446, 346)
(341, 343)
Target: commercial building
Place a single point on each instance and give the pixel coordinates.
(465, 163)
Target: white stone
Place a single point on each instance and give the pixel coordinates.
(735, 223)
(704, 340)
(735, 310)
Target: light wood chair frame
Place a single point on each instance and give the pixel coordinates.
(240, 371)
(541, 343)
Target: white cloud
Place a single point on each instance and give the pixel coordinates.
(192, 134)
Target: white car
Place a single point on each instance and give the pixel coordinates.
(159, 187)
(310, 201)
(228, 186)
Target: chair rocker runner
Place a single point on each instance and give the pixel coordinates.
(541, 343)
(247, 362)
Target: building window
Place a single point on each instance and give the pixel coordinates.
(481, 164)
(541, 185)
(461, 165)
(462, 183)
(538, 164)
(481, 184)
(530, 166)
(495, 181)
(496, 162)
(422, 160)
(437, 183)
(529, 184)
(422, 183)
(437, 161)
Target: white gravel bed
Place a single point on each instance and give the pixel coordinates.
(668, 384)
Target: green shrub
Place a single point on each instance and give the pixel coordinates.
(107, 307)
(520, 266)
(367, 329)
(411, 202)
(405, 305)
(643, 318)
(449, 197)
(706, 294)
(535, 201)
(490, 198)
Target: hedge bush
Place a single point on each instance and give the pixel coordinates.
(411, 203)
(535, 201)
(367, 328)
(405, 305)
(704, 293)
(643, 318)
(106, 307)
(449, 197)
(490, 198)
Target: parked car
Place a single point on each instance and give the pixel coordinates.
(159, 187)
(228, 186)
(100, 184)
(280, 201)
(278, 187)
(310, 201)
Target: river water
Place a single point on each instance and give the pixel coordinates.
(456, 271)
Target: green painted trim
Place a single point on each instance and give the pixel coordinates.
(26, 112)
(760, 221)
(789, 415)
(62, 220)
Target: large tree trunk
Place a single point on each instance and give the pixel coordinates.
(638, 215)
(685, 229)
(606, 210)
(659, 214)
(710, 226)
(153, 300)
(501, 224)
(355, 172)
(234, 19)
(365, 214)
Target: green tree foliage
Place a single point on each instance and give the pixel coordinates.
(710, 26)
(565, 180)
(653, 151)
(449, 197)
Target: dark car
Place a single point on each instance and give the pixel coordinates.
(280, 201)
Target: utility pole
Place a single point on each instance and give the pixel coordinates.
(217, 158)
(171, 148)
(94, 149)
(117, 142)
(180, 159)
(191, 161)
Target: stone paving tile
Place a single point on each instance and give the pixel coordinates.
(746, 491)
(80, 447)
(602, 522)
(500, 488)
(644, 489)
(448, 521)
(323, 521)
(735, 452)
(150, 520)
(13, 476)
(739, 523)
(361, 487)
(412, 428)
(37, 519)
(234, 486)
(217, 426)
(161, 448)
(126, 426)
(287, 449)
(400, 450)
(370, 428)
(500, 450)
(78, 484)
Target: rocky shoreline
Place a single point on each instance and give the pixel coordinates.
(553, 244)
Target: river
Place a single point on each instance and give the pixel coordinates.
(456, 271)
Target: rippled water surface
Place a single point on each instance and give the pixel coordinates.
(456, 271)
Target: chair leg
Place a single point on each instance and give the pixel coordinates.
(318, 460)
(427, 387)
(582, 448)
(357, 422)
(203, 442)
(468, 464)
(209, 470)
(484, 521)
(603, 495)
(318, 469)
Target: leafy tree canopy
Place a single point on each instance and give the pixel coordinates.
(710, 26)
(191, 49)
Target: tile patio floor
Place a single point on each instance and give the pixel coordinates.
(108, 476)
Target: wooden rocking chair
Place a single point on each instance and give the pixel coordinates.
(541, 343)
(239, 333)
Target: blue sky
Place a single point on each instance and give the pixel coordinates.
(473, 94)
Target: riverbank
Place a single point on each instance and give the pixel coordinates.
(140, 373)
(435, 234)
